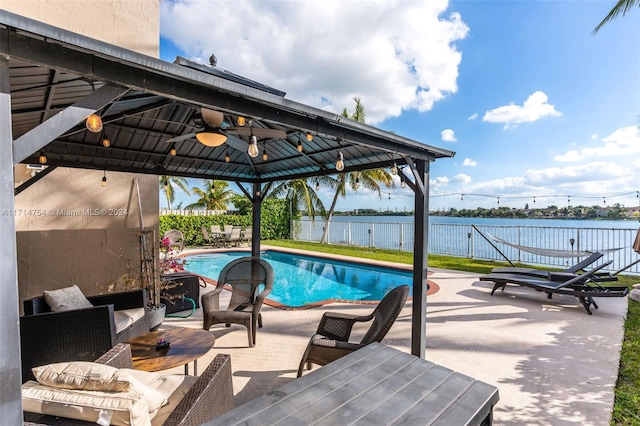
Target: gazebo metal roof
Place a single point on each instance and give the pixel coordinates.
(51, 80)
(145, 101)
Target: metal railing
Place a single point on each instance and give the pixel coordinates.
(466, 241)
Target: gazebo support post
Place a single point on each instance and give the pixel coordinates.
(10, 370)
(420, 252)
(255, 221)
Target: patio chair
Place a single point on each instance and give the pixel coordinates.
(559, 276)
(584, 286)
(196, 400)
(176, 238)
(235, 236)
(246, 236)
(208, 241)
(331, 340)
(245, 276)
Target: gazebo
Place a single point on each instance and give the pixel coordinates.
(51, 80)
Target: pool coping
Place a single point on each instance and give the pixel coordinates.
(433, 286)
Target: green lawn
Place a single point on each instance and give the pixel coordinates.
(626, 409)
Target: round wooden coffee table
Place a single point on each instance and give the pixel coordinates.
(187, 344)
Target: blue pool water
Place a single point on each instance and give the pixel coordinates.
(304, 280)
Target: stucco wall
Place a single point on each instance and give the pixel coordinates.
(133, 24)
(70, 229)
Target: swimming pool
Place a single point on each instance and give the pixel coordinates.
(305, 280)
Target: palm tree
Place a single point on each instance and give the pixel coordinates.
(302, 194)
(369, 179)
(621, 8)
(167, 184)
(214, 196)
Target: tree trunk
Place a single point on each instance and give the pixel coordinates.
(325, 233)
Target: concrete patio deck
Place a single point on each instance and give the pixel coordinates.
(552, 362)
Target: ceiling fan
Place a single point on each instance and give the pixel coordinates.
(214, 129)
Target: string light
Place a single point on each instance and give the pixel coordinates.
(241, 121)
(299, 148)
(173, 151)
(106, 142)
(394, 169)
(265, 157)
(104, 179)
(402, 184)
(498, 200)
(253, 150)
(340, 162)
(227, 158)
(43, 158)
(309, 137)
(94, 123)
(317, 186)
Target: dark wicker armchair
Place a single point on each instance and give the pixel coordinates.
(331, 340)
(210, 396)
(245, 276)
(76, 335)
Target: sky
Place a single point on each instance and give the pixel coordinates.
(539, 110)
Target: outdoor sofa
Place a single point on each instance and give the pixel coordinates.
(79, 334)
(208, 395)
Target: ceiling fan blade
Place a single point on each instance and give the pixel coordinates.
(181, 137)
(259, 132)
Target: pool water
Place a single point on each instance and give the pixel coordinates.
(304, 280)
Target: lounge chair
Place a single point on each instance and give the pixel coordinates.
(245, 276)
(331, 340)
(583, 286)
(559, 276)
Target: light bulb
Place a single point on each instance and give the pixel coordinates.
(94, 123)
(227, 158)
(317, 186)
(299, 146)
(253, 150)
(43, 158)
(106, 142)
(340, 162)
(173, 151)
(394, 169)
(265, 157)
(309, 137)
(241, 121)
(402, 184)
(104, 181)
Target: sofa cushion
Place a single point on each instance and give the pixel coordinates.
(66, 299)
(104, 408)
(127, 317)
(173, 386)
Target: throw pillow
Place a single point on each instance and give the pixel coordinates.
(82, 375)
(66, 299)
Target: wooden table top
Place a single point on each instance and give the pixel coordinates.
(187, 344)
(376, 385)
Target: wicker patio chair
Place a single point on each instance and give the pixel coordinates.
(245, 276)
(176, 239)
(210, 396)
(76, 335)
(331, 340)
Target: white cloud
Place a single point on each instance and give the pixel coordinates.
(533, 109)
(462, 178)
(594, 136)
(473, 116)
(448, 135)
(469, 162)
(394, 55)
(622, 142)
